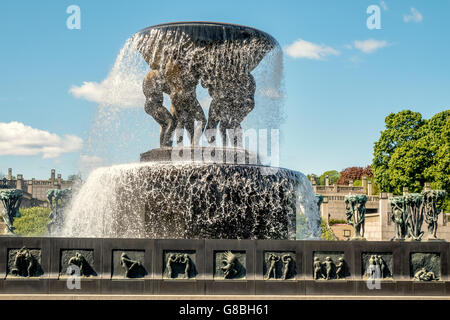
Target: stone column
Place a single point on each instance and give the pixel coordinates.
(364, 184)
(59, 178)
(313, 182)
(52, 176)
(9, 173)
(19, 182)
(30, 186)
(327, 181)
(405, 190)
(369, 188)
(385, 232)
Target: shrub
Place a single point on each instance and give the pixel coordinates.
(327, 234)
(33, 222)
(336, 221)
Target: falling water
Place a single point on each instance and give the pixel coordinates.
(188, 200)
(193, 200)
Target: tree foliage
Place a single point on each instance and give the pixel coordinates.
(326, 234)
(412, 151)
(354, 173)
(333, 176)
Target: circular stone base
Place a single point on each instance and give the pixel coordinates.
(201, 155)
(182, 200)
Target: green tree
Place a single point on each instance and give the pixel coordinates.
(401, 127)
(354, 173)
(72, 177)
(333, 176)
(326, 234)
(412, 151)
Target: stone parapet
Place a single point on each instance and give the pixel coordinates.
(207, 263)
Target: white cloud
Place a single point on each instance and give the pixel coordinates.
(413, 16)
(370, 45)
(123, 85)
(17, 139)
(111, 92)
(308, 50)
(384, 5)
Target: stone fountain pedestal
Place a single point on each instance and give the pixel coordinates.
(211, 193)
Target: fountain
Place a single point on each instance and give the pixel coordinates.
(195, 219)
(218, 191)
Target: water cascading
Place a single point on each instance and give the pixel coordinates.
(181, 190)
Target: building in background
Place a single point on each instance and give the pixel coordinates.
(34, 191)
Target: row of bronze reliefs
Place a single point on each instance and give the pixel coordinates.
(181, 264)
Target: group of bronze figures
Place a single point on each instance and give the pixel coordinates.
(220, 60)
(26, 264)
(409, 212)
(178, 259)
(287, 262)
(377, 268)
(11, 200)
(57, 200)
(328, 270)
(232, 100)
(355, 211)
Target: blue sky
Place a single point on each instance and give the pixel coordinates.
(335, 105)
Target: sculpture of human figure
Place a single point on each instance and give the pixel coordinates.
(11, 200)
(317, 265)
(355, 210)
(328, 267)
(373, 266)
(415, 213)
(171, 258)
(361, 216)
(340, 269)
(179, 81)
(419, 274)
(382, 265)
(184, 259)
(232, 100)
(273, 259)
(23, 263)
(433, 200)
(349, 209)
(431, 214)
(80, 262)
(128, 264)
(154, 86)
(398, 215)
(182, 80)
(57, 200)
(229, 268)
(287, 261)
(424, 275)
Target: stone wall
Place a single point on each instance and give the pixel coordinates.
(154, 274)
